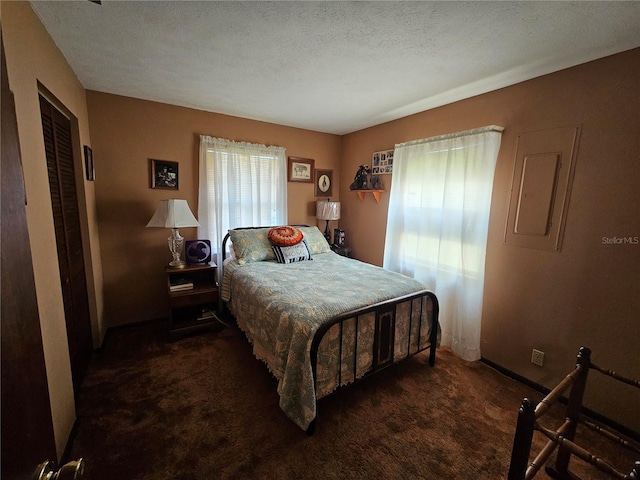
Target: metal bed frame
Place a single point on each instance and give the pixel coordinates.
(384, 338)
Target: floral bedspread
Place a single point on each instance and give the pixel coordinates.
(281, 306)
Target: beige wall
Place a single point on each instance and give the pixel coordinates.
(587, 294)
(32, 57)
(126, 134)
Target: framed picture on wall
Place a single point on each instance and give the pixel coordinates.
(88, 163)
(164, 174)
(324, 183)
(382, 162)
(300, 169)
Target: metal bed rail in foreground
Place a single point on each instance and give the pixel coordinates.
(384, 336)
(564, 437)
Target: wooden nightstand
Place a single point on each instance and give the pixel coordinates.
(342, 250)
(193, 299)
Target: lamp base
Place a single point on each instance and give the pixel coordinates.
(176, 245)
(327, 233)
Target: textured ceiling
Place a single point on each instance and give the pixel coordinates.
(334, 66)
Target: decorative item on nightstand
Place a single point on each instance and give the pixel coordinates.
(174, 214)
(342, 250)
(327, 210)
(198, 252)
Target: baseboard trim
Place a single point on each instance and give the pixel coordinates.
(618, 427)
(536, 386)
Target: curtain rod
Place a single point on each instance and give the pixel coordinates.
(465, 133)
(209, 140)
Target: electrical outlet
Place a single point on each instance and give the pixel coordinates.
(537, 357)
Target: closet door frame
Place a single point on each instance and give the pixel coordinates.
(62, 154)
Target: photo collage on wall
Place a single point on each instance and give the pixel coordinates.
(382, 162)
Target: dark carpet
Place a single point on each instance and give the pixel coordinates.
(205, 408)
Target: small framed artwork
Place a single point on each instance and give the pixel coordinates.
(164, 174)
(324, 183)
(88, 163)
(382, 162)
(300, 169)
(198, 252)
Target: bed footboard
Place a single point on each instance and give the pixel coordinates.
(394, 330)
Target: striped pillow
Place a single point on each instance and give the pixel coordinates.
(295, 253)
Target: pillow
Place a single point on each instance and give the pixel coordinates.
(251, 245)
(284, 236)
(295, 253)
(315, 239)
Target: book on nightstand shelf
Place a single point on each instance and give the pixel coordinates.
(180, 284)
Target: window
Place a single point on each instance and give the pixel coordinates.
(241, 185)
(437, 225)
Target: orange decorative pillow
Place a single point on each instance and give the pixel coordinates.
(285, 236)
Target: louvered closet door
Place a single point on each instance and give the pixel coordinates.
(58, 145)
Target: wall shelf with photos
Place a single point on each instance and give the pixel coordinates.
(375, 193)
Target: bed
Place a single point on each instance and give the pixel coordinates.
(321, 321)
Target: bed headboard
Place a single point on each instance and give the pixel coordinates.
(225, 240)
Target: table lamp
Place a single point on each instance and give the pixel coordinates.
(327, 210)
(174, 214)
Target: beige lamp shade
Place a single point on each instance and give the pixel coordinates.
(327, 210)
(173, 213)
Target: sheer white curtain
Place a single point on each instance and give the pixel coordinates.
(241, 185)
(437, 225)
